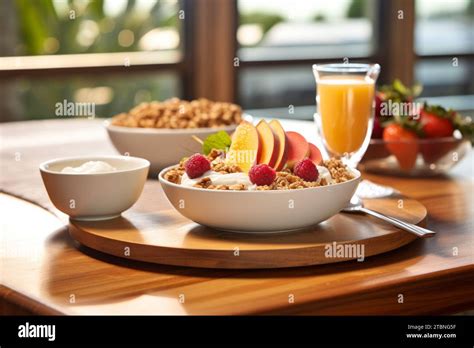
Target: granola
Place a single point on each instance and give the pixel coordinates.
(176, 114)
(285, 179)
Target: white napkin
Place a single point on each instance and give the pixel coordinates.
(368, 189)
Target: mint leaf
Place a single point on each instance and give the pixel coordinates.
(220, 140)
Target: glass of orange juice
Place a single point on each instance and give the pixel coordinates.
(345, 104)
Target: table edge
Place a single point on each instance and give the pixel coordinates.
(22, 302)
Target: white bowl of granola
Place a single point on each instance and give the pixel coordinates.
(224, 199)
(162, 132)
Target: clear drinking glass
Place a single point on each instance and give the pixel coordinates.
(345, 108)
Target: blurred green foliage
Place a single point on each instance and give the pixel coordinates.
(39, 96)
(265, 19)
(470, 9)
(357, 9)
(319, 17)
(41, 22)
(42, 19)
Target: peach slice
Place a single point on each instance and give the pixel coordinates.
(298, 148)
(315, 154)
(245, 146)
(283, 144)
(269, 144)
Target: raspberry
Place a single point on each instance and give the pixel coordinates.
(262, 174)
(196, 165)
(306, 170)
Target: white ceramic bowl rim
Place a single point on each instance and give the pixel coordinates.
(161, 178)
(108, 124)
(141, 163)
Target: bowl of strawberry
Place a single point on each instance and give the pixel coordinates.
(415, 139)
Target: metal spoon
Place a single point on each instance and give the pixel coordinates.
(356, 206)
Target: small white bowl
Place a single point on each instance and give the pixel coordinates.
(162, 147)
(260, 211)
(98, 196)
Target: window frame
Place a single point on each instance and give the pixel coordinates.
(211, 26)
(418, 58)
(62, 65)
(393, 38)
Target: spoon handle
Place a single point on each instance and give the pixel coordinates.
(419, 231)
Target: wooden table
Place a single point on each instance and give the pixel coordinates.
(44, 272)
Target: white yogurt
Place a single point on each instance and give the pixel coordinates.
(243, 178)
(230, 179)
(91, 167)
(324, 174)
(218, 179)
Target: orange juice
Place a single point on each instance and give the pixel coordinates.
(345, 107)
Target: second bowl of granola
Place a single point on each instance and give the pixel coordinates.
(162, 132)
(226, 200)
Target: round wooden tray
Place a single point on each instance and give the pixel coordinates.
(165, 237)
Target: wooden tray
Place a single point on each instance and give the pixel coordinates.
(165, 237)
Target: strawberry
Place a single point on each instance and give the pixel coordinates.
(395, 93)
(377, 130)
(403, 144)
(436, 122)
(379, 99)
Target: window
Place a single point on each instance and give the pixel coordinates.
(300, 29)
(444, 44)
(110, 93)
(94, 26)
(279, 40)
(114, 53)
(257, 53)
(444, 27)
